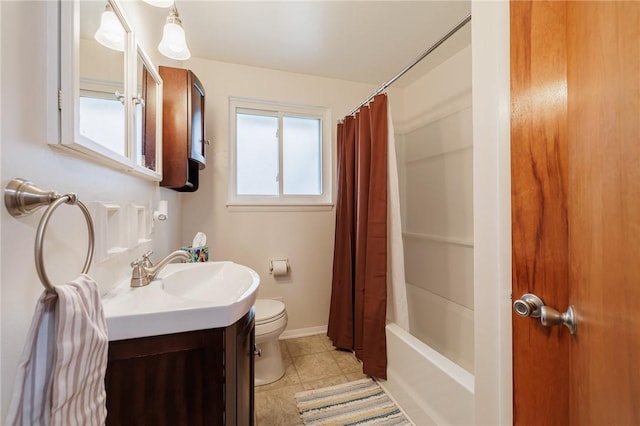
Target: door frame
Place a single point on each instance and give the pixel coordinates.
(492, 212)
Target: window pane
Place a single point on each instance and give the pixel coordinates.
(302, 156)
(102, 121)
(256, 154)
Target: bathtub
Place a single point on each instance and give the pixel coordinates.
(431, 389)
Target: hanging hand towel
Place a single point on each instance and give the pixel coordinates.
(60, 379)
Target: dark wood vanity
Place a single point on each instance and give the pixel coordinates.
(183, 129)
(202, 377)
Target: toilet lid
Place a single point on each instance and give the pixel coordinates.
(268, 310)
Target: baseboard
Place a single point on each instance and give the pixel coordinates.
(303, 332)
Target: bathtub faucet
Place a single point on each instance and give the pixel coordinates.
(144, 271)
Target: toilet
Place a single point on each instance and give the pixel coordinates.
(271, 320)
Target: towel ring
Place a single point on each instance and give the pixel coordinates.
(42, 227)
(22, 198)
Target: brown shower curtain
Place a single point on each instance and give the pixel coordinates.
(359, 288)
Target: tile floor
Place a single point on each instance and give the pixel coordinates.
(311, 362)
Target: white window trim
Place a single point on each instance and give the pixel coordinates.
(276, 202)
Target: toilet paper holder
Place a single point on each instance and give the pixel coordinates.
(275, 267)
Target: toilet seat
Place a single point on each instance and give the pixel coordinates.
(268, 310)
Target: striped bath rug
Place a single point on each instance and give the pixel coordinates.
(362, 402)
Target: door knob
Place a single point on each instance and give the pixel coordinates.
(530, 305)
(550, 317)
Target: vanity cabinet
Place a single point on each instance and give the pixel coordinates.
(202, 377)
(183, 129)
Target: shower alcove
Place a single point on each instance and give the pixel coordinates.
(434, 146)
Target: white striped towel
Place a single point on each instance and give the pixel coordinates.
(60, 378)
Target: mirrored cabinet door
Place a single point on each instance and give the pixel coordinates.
(109, 90)
(147, 105)
(102, 70)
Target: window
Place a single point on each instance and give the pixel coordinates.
(279, 154)
(101, 120)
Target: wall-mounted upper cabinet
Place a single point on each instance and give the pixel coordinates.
(184, 134)
(110, 94)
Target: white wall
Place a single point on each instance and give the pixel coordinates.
(254, 237)
(25, 153)
(435, 163)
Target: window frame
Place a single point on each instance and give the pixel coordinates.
(279, 109)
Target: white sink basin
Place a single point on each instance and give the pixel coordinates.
(185, 297)
(221, 283)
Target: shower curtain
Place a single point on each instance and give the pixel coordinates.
(359, 294)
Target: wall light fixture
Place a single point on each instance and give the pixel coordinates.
(173, 44)
(110, 32)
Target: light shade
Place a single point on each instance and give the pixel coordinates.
(174, 44)
(159, 3)
(110, 33)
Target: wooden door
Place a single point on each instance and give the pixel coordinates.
(575, 87)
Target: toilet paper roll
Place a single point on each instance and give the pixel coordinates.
(279, 268)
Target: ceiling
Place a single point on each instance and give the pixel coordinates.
(365, 41)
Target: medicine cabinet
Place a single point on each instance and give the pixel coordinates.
(110, 98)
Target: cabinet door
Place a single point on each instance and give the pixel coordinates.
(175, 380)
(175, 109)
(148, 115)
(239, 371)
(245, 379)
(183, 132)
(198, 136)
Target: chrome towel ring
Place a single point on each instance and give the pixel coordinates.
(22, 198)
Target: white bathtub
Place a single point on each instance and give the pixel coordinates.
(431, 389)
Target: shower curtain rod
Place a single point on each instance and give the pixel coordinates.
(424, 54)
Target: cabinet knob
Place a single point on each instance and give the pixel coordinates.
(207, 141)
(119, 96)
(138, 100)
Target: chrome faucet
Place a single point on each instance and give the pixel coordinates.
(144, 271)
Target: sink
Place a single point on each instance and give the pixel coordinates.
(217, 282)
(184, 297)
